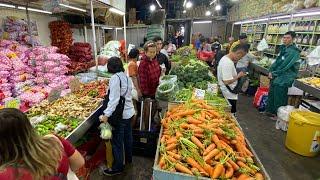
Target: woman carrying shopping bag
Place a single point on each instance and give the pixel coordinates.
(118, 114)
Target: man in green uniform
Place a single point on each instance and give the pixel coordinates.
(282, 74)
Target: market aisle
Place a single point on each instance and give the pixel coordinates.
(141, 169)
(268, 142)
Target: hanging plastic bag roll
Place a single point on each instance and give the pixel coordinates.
(263, 45)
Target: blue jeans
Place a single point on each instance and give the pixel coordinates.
(122, 137)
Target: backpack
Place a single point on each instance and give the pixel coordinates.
(241, 87)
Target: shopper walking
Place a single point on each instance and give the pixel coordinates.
(230, 42)
(162, 58)
(119, 99)
(216, 46)
(149, 71)
(133, 74)
(205, 53)
(282, 73)
(25, 155)
(227, 74)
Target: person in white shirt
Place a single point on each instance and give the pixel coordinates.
(164, 49)
(119, 85)
(227, 74)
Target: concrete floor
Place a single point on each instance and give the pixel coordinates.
(268, 142)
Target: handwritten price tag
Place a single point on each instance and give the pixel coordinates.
(13, 103)
(199, 93)
(213, 88)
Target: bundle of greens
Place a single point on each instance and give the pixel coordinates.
(193, 75)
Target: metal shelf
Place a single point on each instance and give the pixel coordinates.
(307, 88)
(77, 133)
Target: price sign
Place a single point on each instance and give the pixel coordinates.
(13, 103)
(213, 88)
(54, 94)
(199, 94)
(74, 85)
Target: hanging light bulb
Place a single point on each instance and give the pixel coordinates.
(184, 11)
(218, 7)
(152, 7)
(188, 4)
(208, 13)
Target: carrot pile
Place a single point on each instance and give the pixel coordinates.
(198, 140)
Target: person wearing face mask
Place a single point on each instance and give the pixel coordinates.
(282, 74)
(227, 74)
(149, 71)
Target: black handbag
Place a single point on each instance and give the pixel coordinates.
(116, 117)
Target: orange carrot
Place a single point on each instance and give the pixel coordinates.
(163, 139)
(248, 152)
(161, 162)
(191, 120)
(185, 113)
(233, 164)
(198, 131)
(208, 168)
(199, 135)
(196, 141)
(220, 155)
(170, 158)
(181, 168)
(223, 173)
(184, 126)
(174, 155)
(234, 142)
(241, 159)
(171, 146)
(211, 154)
(216, 140)
(178, 134)
(209, 148)
(203, 115)
(218, 131)
(244, 177)
(172, 140)
(195, 164)
(229, 172)
(243, 165)
(174, 151)
(217, 171)
(259, 176)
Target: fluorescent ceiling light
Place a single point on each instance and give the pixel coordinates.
(212, 2)
(259, 20)
(188, 4)
(208, 13)
(184, 3)
(218, 7)
(306, 14)
(159, 4)
(184, 11)
(152, 7)
(73, 7)
(117, 11)
(201, 22)
(280, 17)
(118, 28)
(34, 10)
(7, 5)
(106, 28)
(237, 23)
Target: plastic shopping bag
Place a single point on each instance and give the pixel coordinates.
(262, 45)
(109, 155)
(258, 96)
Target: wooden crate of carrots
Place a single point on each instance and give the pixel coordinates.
(198, 140)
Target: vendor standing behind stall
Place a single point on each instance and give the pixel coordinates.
(162, 58)
(119, 86)
(149, 71)
(282, 73)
